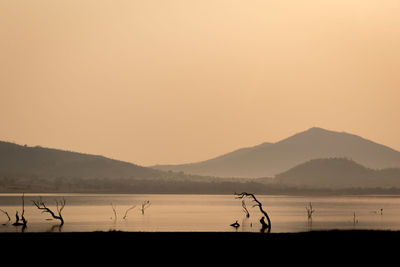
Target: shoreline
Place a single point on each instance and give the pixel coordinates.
(314, 247)
(335, 235)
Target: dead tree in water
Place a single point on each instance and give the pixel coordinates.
(310, 211)
(6, 213)
(126, 212)
(60, 206)
(245, 209)
(355, 220)
(145, 205)
(17, 219)
(114, 208)
(264, 225)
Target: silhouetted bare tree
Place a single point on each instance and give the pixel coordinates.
(17, 219)
(59, 205)
(145, 205)
(126, 212)
(114, 208)
(310, 211)
(6, 213)
(245, 209)
(265, 226)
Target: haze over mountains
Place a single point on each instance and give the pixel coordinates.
(39, 169)
(316, 159)
(270, 159)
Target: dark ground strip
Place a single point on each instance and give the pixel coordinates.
(341, 247)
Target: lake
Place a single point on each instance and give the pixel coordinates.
(215, 213)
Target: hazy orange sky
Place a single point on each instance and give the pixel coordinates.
(168, 81)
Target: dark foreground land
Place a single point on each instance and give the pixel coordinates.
(191, 248)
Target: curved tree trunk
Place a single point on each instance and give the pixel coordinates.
(265, 225)
(42, 206)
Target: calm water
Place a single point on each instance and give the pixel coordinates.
(93, 212)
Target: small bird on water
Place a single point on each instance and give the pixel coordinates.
(236, 224)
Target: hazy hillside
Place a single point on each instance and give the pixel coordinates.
(16, 160)
(269, 159)
(38, 169)
(338, 173)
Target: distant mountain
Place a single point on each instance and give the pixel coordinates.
(17, 160)
(269, 159)
(38, 169)
(338, 173)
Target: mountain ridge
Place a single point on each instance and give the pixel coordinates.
(37, 160)
(270, 159)
(38, 169)
(338, 173)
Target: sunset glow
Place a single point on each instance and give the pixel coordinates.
(157, 82)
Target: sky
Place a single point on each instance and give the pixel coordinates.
(177, 81)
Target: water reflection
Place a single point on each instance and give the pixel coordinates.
(56, 228)
(20, 227)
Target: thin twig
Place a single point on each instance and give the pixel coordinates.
(126, 212)
(145, 205)
(6, 213)
(245, 209)
(114, 210)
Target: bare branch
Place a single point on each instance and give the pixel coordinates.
(245, 209)
(114, 210)
(23, 204)
(60, 203)
(145, 205)
(6, 213)
(126, 212)
(310, 211)
(42, 206)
